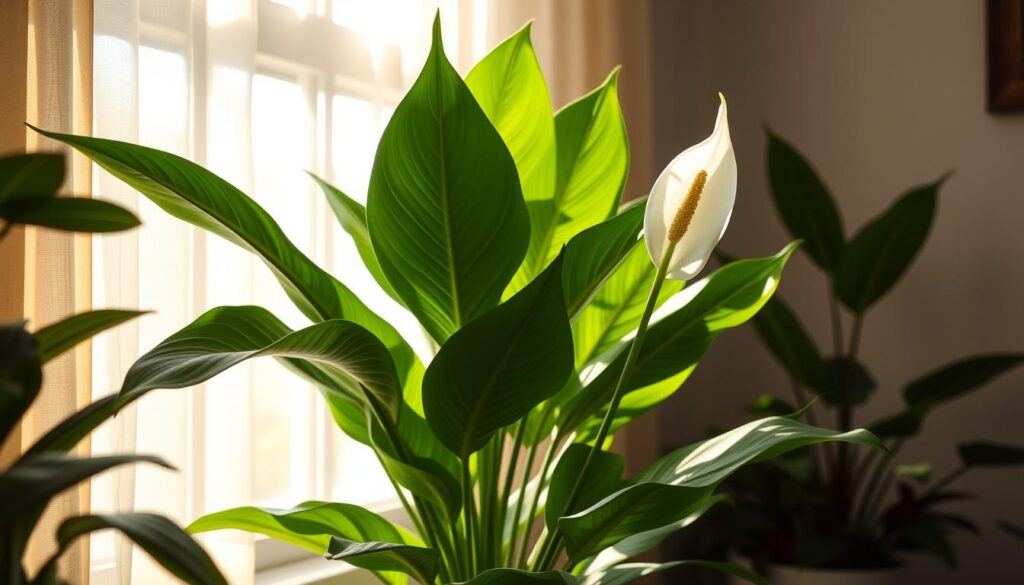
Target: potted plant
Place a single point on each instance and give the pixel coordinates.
(28, 186)
(830, 514)
(497, 223)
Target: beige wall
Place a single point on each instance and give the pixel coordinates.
(881, 95)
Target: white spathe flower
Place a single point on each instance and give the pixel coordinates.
(691, 202)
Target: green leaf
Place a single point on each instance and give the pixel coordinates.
(603, 478)
(615, 310)
(445, 209)
(883, 249)
(781, 332)
(676, 341)
(899, 426)
(352, 217)
(20, 374)
(846, 382)
(592, 157)
(594, 255)
(804, 203)
(308, 525)
(59, 337)
(499, 367)
(27, 486)
(418, 562)
(191, 193)
(630, 572)
(769, 405)
(683, 481)
(518, 577)
(919, 472)
(510, 88)
(72, 214)
(959, 378)
(158, 536)
(226, 336)
(74, 428)
(990, 454)
(32, 175)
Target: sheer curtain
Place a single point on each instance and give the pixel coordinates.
(259, 91)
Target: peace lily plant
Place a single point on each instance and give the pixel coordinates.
(497, 223)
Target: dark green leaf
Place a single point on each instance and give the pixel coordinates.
(418, 562)
(846, 382)
(919, 472)
(72, 214)
(603, 478)
(804, 203)
(883, 249)
(768, 405)
(445, 208)
(499, 367)
(61, 336)
(352, 217)
(28, 485)
(596, 253)
(630, 572)
(517, 577)
(899, 426)
(20, 374)
(158, 536)
(1013, 529)
(684, 480)
(990, 454)
(36, 175)
(191, 193)
(787, 340)
(956, 379)
(73, 429)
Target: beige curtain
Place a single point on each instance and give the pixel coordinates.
(47, 57)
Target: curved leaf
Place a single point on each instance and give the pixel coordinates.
(158, 536)
(603, 478)
(630, 572)
(226, 336)
(883, 249)
(498, 368)
(352, 217)
(990, 454)
(74, 428)
(34, 174)
(804, 203)
(421, 563)
(191, 193)
(592, 154)
(683, 481)
(518, 577)
(59, 337)
(781, 332)
(21, 374)
(71, 214)
(956, 379)
(445, 209)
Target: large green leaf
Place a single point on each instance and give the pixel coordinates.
(20, 374)
(781, 332)
(604, 477)
(308, 525)
(59, 337)
(32, 175)
(499, 367)
(352, 217)
(592, 162)
(510, 88)
(72, 214)
(630, 572)
(158, 536)
(595, 254)
(990, 454)
(676, 341)
(959, 378)
(191, 193)
(226, 336)
(445, 209)
(804, 203)
(615, 310)
(683, 481)
(883, 249)
(418, 562)
(518, 577)
(29, 485)
(74, 428)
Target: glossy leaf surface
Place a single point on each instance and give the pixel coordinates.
(59, 337)
(415, 561)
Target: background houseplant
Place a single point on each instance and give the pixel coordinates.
(833, 508)
(481, 194)
(28, 187)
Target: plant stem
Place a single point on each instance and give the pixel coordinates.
(547, 557)
(469, 516)
(837, 322)
(506, 491)
(946, 480)
(549, 458)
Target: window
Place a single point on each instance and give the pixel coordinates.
(259, 92)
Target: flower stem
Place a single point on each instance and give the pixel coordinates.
(547, 557)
